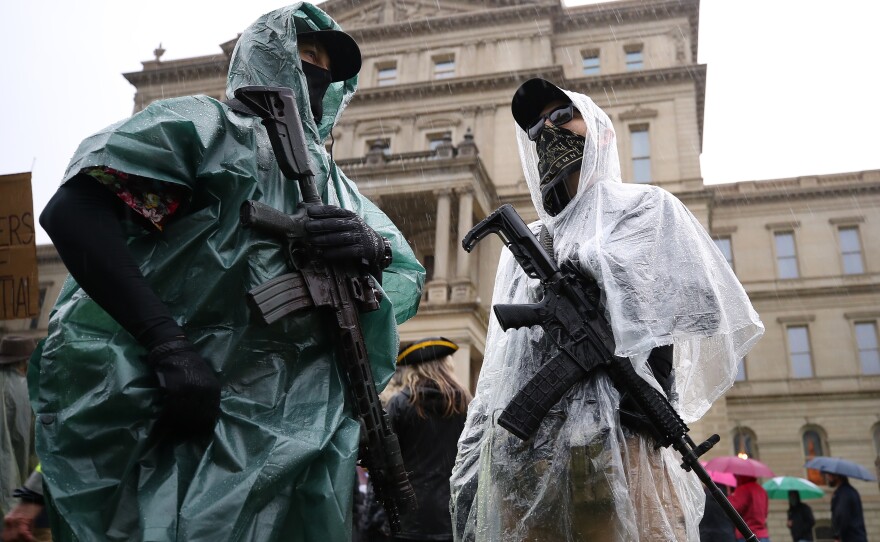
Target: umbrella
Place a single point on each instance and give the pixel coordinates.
(737, 465)
(724, 478)
(836, 465)
(778, 488)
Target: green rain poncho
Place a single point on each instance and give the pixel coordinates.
(280, 464)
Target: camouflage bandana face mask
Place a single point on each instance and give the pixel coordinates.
(560, 152)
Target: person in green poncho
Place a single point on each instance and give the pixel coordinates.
(165, 412)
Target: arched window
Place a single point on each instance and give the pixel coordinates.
(745, 443)
(814, 444)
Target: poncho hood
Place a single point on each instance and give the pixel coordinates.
(266, 54)
(600, 162)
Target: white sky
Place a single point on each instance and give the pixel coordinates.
(790, 86)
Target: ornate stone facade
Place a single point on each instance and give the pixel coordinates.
(429, 137)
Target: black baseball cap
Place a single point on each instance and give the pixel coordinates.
(530, 99)
(344, 53)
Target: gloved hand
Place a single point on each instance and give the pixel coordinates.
(343, 236)
(192, 391)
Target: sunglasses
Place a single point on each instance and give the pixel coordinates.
(557, 117)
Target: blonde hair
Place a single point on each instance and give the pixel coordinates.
(440, 374)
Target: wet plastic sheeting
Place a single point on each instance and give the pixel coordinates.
(583, 477)
(280, 463)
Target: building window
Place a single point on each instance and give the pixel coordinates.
(641, 154)
(724, 245)
(444, 67)
(866, 340)
(745, 443)
(786, 256)
(799, 352)
(813, 441)
(379, 143)
(634, 58)
(851, 250)
(741, 370)
(438, 138)
(591, 62)
(386, 74)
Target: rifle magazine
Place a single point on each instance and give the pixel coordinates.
(279, 297)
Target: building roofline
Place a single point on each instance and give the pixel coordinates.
(809, 186)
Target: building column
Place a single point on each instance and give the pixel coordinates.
(437, 287)
(462, 287)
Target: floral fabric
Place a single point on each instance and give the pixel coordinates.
(154, 200)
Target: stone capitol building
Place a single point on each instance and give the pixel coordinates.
(430, 139)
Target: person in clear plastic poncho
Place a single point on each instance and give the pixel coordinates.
(677, 312)
(165, 411)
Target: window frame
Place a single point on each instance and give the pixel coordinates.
(633, 49)
(751, 444)
(591, 54)
(443, 74)
(727, 257)
(859, 350)
(369, 140)
(437, 136)
(385, 66)
(814, 475)
(842, 254)
(791, 353)
(646, 129)
(797, 270)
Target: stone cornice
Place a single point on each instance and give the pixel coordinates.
(693, 73)
(827, 387)
(631, 11)
(836, 286)
(589, 85)
(519, 11)
(171, 72)
(824, 186)
(425, 162)
(423, 89)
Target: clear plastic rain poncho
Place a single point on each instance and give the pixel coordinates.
(583, 477)
(281, 462)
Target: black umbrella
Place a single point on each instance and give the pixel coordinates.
(836, 465)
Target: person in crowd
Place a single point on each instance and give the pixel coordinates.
(166, 410)
(800, 518)
(752, 503)
(715, 526)
(593, 471)
(28, 520)
(428, 415)
(16, 418)
(847, 518)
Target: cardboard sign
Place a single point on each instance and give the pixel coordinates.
(19, 285)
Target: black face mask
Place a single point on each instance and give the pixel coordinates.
(560, 152)
(318, 80)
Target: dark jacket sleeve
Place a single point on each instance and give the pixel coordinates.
(83, 219)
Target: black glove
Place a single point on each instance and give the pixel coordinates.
(192, 391)
(343, 236)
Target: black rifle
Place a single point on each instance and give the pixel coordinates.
(344, 291)
(572, 317)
